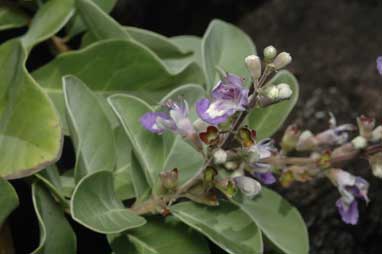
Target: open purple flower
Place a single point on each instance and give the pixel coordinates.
(351, 188)
(175, 119)
(262, 171)
(228, 97)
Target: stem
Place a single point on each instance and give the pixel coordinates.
(59, 44)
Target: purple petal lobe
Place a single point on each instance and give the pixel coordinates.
(203, 108)
(150, 123)
(349, 213)
(265, 178)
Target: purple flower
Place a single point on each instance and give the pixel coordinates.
(349, 212)
(379, 64)
(350, 187)
(266, 178)
(175, 119)
(228, 96)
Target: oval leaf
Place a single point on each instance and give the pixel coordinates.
(266, 121)
(56, 234)
(280, 222)
(44, 24)
(149, 147)
(29, 140)
(225, 225)
(11, 17)
(8, 199)
(91, 131)
(95, 206)
(225, 46)
(160, 236)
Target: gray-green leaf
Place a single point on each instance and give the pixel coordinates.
(56, 234)
(95, 206)
(225, 46)
(280, 222)
(8, 199)
(160, 236)
(226, 225)
(91, 131)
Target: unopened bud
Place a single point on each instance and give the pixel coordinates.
(306, 141)
(254, 66)
(359, 142)
(282, 60)
(269, 53)
(376, 135)
(169, 179)
(248, 186)
(284, 91)
(375, 161)
(220, 156)
(231, 165)
(290, 138)
(272, 92)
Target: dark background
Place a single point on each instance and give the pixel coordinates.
(334, 45)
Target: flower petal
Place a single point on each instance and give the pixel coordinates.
(204, 111)
(150, 121)
(349, 213)
(265, 178)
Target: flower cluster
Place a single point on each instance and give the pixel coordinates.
(236, 161)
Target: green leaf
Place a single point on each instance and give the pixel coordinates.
(101, 25)
(225, 46)
(11, 17)
(108, 67)
(28, 142)
(8, 199)
(280, 222)
(138, 178)
(122, 181)
(190, 43)
(49, 19)
(91, 131)
(76, 24)
(95, 206)
(56, 234)
(225, 225)
(158, 153)
(266, 121)
(162, 46)
(50, 177)
(149, 147)
(160, 236)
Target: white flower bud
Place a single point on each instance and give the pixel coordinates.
(272, 92)
(282, 60)
(248, 186)
(284, 91)
(269, 52)
(376, 135)
(220, 156)
(231, 165)
(254, 66)
(359, 142)
(375, 161)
